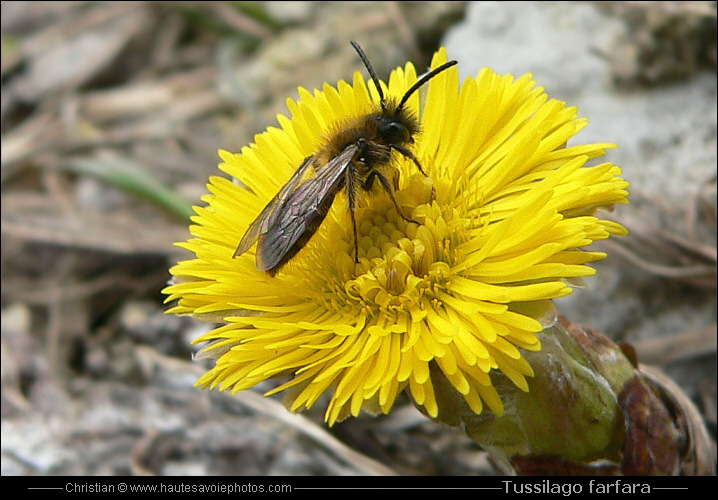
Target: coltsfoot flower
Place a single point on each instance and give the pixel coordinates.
(502, 222)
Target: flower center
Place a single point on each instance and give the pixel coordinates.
(399, 260)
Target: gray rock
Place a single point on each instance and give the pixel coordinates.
(666, 136)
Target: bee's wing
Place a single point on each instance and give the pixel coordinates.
(303, 211)
(267, 216)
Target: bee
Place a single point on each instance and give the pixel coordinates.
(353, 157)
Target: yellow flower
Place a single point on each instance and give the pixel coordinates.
(504, 214)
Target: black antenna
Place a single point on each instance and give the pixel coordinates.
(422, 81)
(371, 73)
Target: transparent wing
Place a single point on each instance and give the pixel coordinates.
(267, 216)
(302, 211)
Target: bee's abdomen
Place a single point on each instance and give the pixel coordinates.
(291, 231)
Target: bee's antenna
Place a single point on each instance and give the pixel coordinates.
(423, 80)
(371, 73)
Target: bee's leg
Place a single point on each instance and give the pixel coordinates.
(356, 243)
(409, 155)
(388, 188)
(350, 179)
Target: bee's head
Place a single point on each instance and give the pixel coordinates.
(395, 124)
(398, 127)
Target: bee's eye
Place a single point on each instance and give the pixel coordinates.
(398, 132)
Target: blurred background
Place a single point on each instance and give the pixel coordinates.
(111, 117)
